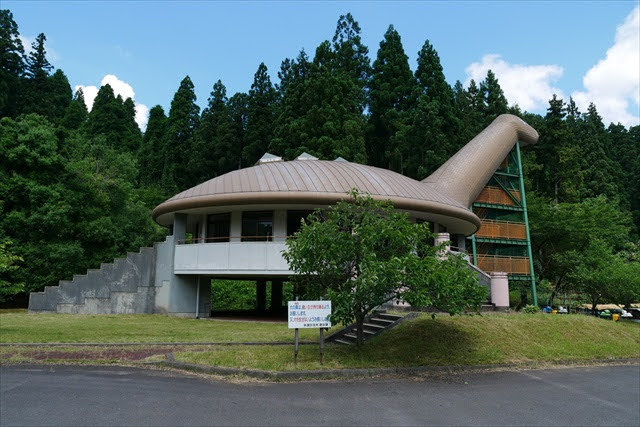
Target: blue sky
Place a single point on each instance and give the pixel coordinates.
(585, 49)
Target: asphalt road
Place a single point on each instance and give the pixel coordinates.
(71, 395)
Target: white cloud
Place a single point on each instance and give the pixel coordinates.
(529, 86)
(121, 88)
(613, 84)
(142, 116)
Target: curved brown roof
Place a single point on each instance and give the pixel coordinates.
(314, 182)
(447, 193)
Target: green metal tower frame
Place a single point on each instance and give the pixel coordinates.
(534, 294)
(520, 206)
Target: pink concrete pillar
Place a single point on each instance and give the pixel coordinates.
(500, 289)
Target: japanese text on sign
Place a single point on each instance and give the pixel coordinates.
(309, 314)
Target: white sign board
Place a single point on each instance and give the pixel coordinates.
(309, 314)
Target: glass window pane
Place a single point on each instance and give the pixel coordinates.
(257, 226)
(218, 227)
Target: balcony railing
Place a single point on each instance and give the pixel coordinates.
(233, 258)
(508, 264)
(496, 195)
(225, 239)
(502, 230)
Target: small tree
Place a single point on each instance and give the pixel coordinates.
(362, 253)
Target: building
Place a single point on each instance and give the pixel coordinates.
(235, 225)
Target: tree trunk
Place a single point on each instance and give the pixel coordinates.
(554, 291)
(359, 332)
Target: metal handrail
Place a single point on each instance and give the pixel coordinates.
(509, 264)
(502, 256)
(502, 229)
(489, 194)
(227, 239)
(499, 221)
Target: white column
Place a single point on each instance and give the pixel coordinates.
(500, 289)
(442, 237)
(279, 225)
(235, 228)
(203, 229)
(179, 227)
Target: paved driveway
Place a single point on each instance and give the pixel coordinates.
(70, 395)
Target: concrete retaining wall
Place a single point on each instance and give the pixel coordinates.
(143, 282)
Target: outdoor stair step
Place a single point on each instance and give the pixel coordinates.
(378, 319)
(371, 325)
(388, 316)
(374, 324)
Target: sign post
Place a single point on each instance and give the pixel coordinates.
(321, 344)
(309, 314)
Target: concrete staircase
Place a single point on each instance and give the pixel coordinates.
(124, 286)
(374, 324)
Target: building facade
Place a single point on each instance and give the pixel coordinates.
(235, 226)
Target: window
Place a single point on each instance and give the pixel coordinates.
(294, 219)
(257, 226)
(218, 227)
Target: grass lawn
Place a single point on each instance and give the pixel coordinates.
(21, 327)
(460, 340)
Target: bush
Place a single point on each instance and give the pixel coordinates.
(531, 309)
(233, 295)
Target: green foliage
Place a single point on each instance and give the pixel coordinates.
(150, 156)
(320, 112)
(603, 276)
(37, 63)
(558, 229)
(8, 263)
(11, 64)
(392, 97)
(362, 253)
(114, 120)
(260, 116)
(76, 188)
(178, 140)
(495, 101)
(350, 56)
(76, 113)
(215, 138)
(66, 210)
(233, 295)
(531, 309)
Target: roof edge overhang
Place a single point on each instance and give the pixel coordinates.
(295, 197)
